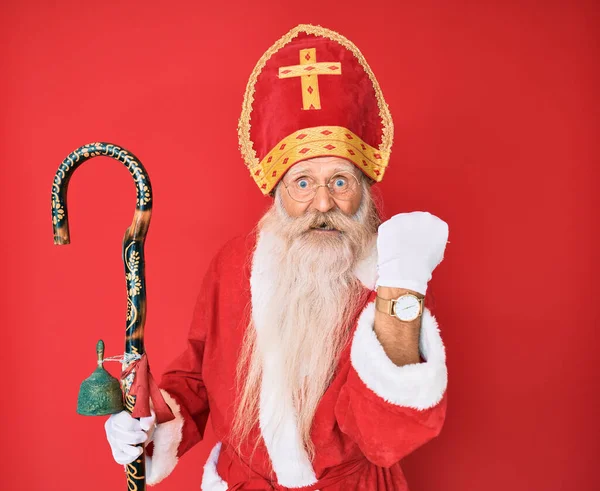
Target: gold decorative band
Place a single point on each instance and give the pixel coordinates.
(319, 141)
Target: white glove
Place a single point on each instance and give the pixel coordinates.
(409, 247)
(125, 432)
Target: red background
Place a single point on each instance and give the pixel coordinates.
(496, 113)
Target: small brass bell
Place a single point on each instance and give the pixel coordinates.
(100, 394)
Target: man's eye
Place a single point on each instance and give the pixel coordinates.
(302, 183)
(340, 182)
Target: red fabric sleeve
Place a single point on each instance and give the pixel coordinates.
(183, 377)
(385, 432)
(390, 410)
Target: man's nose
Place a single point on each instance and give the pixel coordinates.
(323, 201)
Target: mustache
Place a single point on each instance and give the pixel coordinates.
(332, 219)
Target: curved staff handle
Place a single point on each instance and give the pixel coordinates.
(133, 259)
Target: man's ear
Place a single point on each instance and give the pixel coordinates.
(274, 190)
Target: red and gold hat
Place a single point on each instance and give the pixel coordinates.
(312, 94)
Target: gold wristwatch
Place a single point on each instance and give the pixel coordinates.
(406, 307)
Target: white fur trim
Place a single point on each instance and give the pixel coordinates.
(366, 269)
(289, 459)
(420, 385)
(167, 437)
(211, 481)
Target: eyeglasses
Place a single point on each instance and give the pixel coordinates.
(342, 186)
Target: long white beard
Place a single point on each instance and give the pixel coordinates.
(306, 323)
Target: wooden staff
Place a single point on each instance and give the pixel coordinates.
(133, 259)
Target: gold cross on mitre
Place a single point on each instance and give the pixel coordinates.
(308, 71)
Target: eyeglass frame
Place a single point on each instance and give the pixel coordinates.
(316, 188)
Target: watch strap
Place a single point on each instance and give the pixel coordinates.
(384, 305)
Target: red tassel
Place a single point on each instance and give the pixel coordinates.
(144, 388)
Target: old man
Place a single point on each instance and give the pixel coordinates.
(310, 347)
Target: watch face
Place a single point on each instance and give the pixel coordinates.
(407, 307)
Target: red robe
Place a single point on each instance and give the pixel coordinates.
(372, 415)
